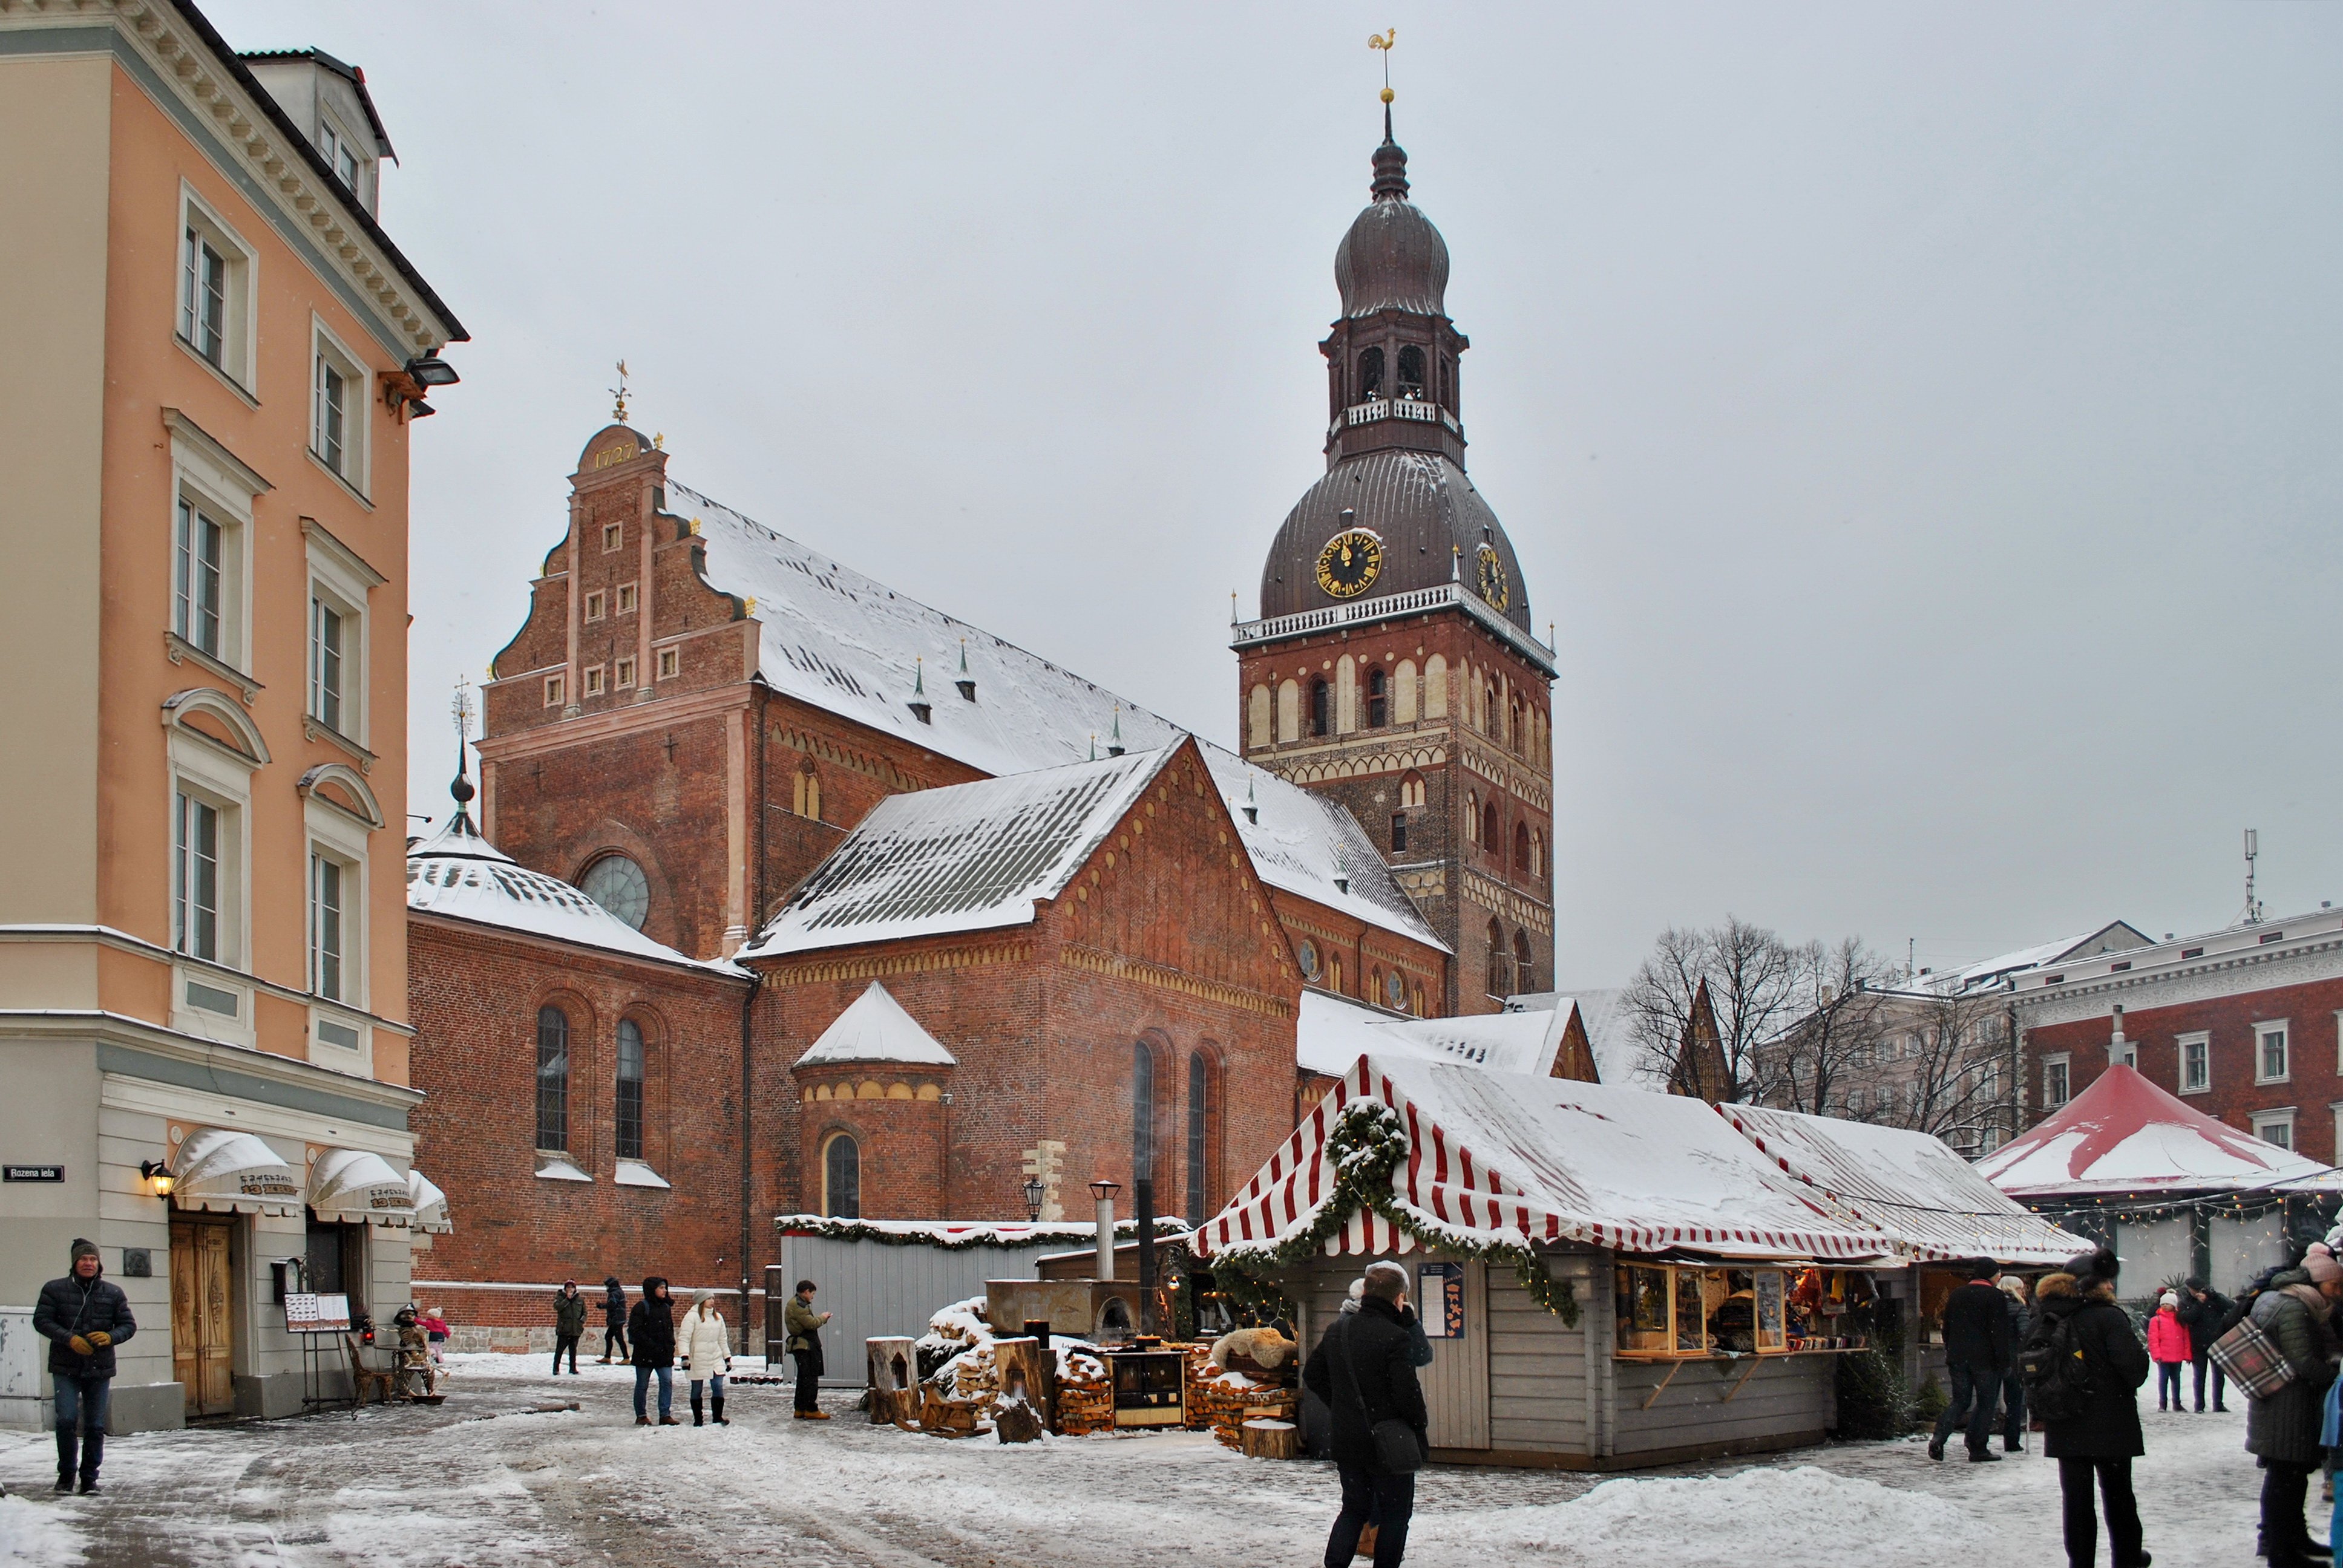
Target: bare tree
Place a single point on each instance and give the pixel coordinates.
(1844, 1023)
(1955, 1087)
(1752, 979)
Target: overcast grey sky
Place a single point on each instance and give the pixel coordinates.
(1919, 421)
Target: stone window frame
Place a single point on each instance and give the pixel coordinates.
(2180, 1044)
(2280, 1116)
(239, 360)
(2064, 1062)
(2284, 1028)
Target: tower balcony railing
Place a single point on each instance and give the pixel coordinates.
(1422, 410)
(1415, 601)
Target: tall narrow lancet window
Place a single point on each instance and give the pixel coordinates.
(1500, 961)
(841, 1178)
(1142, 1112)
(1521, 866)
(1411, 372)
(629, 1119)
(1321, 706)
(552, 1079)
(1200, 1091)
(1524, 966)
(1370, 375)
(1491, 844)
(1378, 699)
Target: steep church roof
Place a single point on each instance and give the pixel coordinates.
(1305, 843)
(876, 1027)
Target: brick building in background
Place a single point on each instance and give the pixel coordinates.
(2245, 1023)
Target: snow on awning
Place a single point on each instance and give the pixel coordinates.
(2125, 1135)
(430, 1205)
(357, 1187)
(1907, 1184)
(1500, 1157)
(228, 1172)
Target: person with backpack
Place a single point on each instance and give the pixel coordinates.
(2083, 1367)
(2283, 1427)
(1978, 1351)
(2168, 1347)
(2207, 1314)
(1363, 1370)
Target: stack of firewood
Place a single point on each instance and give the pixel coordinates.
(1200, 1368)
(1232, 1399)
(1085, 1394)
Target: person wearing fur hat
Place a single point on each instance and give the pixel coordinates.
(82, 1316)
(2095, 1445)
(707, 1349)
(2282, 1432)
(2168, 1347)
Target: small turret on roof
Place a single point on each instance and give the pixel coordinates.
(876, 1027)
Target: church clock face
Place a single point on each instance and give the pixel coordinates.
(1350, 562)
(1493, 586)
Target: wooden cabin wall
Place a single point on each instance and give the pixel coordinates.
(1540, 1374)
(1788, 1402)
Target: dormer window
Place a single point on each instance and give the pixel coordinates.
(341, 154)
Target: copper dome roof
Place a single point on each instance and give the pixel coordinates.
(1392, 258)
(1431, 521)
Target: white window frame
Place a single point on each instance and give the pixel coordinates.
(213, 480)
(238, 364)
(556, 690)
(340, 1031)
(2064, 1062)
(325, 349)
(341, 580)
(334, 142)
(213, 774)
(623, 677)
(629, 599)
(2180, 1073)
(597, 604)
(591, 679)
(2266, 1120)
(614, 537)
(2284, 1028)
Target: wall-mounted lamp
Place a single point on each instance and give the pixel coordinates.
(1034, 1193)
(430, 370)
(158, 1176)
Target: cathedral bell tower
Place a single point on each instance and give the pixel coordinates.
(1392, 667)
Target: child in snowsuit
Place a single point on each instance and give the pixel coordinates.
(2168, 1347)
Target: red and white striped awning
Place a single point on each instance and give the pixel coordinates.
(1498, 1157)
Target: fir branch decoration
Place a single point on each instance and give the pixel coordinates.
(1063, 1234)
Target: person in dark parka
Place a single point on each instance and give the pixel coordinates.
(1365, 1370)
(83, 1316)
(2099, 1442)
(614, 1320)
(569, 1325)
(2204, 1314)
(1978, 1354)
(651, 1326)
(2282, 1430)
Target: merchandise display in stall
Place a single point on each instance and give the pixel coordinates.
(1668, 1310)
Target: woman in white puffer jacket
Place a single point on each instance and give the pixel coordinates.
(707, 1351)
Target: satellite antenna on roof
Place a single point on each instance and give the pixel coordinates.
(2253, 905)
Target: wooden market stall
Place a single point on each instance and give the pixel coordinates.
(1611, 1277)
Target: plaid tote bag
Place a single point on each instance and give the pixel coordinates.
(2252, 1359)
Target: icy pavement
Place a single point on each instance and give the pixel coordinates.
(489, 1479)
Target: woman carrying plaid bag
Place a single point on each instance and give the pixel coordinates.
(2282, 1428)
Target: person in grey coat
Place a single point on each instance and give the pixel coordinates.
(2282, 1430)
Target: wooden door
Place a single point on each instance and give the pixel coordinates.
(1456, 1384)
(199, 1316)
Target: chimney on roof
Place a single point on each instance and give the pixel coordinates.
(967, 682)
(2115, 1041)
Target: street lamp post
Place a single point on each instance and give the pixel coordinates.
(1034, 1193)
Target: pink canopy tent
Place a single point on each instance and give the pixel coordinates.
(2125, 1135)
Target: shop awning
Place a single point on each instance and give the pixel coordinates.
(357, 1187)
(228, 1172)
(1907, 1183)
(1500, 1157)
(430, 1205)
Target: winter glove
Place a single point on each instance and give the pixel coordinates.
(686, 1363)
(80, 1347)
(101, 1339)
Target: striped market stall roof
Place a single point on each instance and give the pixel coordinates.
(1498, 1157)
(1907, 1184)
(2127, 1134)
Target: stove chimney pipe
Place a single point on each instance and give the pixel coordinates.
(1104, 1190)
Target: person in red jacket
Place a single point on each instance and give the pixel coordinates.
(2168, 1347)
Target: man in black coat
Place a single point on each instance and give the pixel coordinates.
(2098, 1441)
(2205, 1313)
(84, 1316)
(1977, 1352)
(1365, 1372)
(651, 1326)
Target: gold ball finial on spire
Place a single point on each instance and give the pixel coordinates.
(1389, 95)
(1383, 43)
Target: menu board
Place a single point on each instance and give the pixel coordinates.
(308, 1314)
(1440, 1300)
(1773, 1333)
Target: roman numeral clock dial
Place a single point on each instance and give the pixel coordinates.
(1350, 562)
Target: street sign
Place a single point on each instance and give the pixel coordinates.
(32, 1172)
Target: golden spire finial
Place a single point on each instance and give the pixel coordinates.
(1383, 41)
(620, 393)
(659, 441)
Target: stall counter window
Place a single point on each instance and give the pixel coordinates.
(1673, 1311)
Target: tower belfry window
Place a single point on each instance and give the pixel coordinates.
(1378, 700)
(1411, 371)
(1321, 709)
(1370, 375)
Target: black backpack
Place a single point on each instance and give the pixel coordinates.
(2056, 1375)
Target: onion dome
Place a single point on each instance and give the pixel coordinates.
(1392, 258)
(1432, 526)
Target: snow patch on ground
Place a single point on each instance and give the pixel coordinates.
(32, 1534)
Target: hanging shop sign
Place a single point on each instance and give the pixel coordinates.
(1440, 1300)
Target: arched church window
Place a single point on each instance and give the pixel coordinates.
(1472, 817)
(806, 792)
(1378, 699)
(1521, 849)
(1490, 842)
(1370, 375)
(841, 1177)
(1289, 710)
(1410, 788)
(1404, 692)
(1142, 1112)
(1200, 1110)
(620, 885)
(1500, 961)
(1257, 721)
(1435, 687)
(1411, 371)
(1524, 966)
(1395, 992)
(627, 1125)
(1309, 958)
(1321, 704)
(552, 1079)
(1514, 734)
(1537, 854)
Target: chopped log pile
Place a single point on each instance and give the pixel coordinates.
(1232, 1399)
(960, 1395)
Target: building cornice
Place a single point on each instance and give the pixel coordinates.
(2218, 974)
(1336, 618)
(167, 47)
(122, 942)
(211, 1064)
(564, 733)
(474, 929)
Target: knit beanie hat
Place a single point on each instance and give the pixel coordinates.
(84, 1247)
(2322, 1264)
(2169, 1299)
(701, 1298)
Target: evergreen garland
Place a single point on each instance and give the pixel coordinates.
(1363, 1148)
(1053, 1232)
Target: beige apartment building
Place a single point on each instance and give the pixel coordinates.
(214, 359)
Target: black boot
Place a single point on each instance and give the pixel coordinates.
(696, 1420)
(719, 1401)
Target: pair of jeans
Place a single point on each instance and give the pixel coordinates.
(809, 1380)
(1974, 1387)
(1389, 1500)
(81, 1424)
(2168, 1379)
(666, 1389)
(2220, 1382)
(2285, 1488)
(2113, 1478)
(2013, 1407)
(561, 1342)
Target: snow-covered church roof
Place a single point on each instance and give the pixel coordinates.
(1305, 843)
(966, 857)
(1332, 1032)
(876, 1027)
(459, 874)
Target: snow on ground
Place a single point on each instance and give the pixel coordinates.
(502, 1474)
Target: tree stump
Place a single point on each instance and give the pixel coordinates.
(1024, 1368)
(892, 1365)
(1262, 1438)
(1017, 1422)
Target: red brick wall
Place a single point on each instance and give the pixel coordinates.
(2312, 1086)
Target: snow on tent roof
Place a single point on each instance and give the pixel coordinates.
(1307, 844)
(964, 858)
(875, 1027)
(1331, 1032)
(2125, 1135)
(460, 875)
(1498, 1157)
(1907, 1182)
(849, 644)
